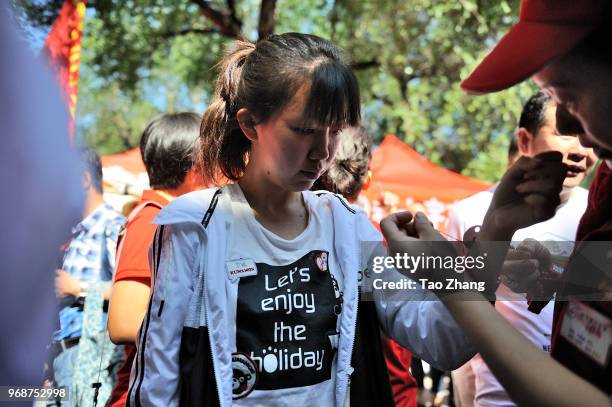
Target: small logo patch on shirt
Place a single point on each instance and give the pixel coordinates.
(244, 375)
(240, 268)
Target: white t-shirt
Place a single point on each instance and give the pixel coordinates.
(287, 315)
(535, 327)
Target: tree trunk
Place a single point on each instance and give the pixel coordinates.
(227, 22)
(266, 18)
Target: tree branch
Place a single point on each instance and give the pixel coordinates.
(226, 22)
(403, 78)
(231, 5)
(333, 20)
(186, 31)
(481, 20)
(365, 65)
(384, 98)
(266, 18)
(125, 141)
(233, 14)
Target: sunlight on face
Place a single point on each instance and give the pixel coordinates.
(574, 154)
(584, 88)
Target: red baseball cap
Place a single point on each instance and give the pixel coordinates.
(547, 29)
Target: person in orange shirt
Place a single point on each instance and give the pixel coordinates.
(565, 46)
(169, 147)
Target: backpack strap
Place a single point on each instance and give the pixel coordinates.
(131, 217)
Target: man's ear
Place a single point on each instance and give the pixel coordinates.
(523, 141)
(247, 123)
(87, 182)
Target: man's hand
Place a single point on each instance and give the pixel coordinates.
(524, 265)
(403, 226)
(527, 194)
(414, 235)
(66, 285)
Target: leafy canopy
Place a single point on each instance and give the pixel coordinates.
(142, 57)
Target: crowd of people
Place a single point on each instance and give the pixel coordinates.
(244, 275)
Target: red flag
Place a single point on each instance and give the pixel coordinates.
(63, 48)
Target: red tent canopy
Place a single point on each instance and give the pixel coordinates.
(402, 179)
(130, 160)
(398, 168)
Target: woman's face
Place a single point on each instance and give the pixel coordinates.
(290, 152)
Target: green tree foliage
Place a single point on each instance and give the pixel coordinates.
(141, 57)
(420, 52)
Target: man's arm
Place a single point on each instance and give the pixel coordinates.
(529, 375)
(66, 285)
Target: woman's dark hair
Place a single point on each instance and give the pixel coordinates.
(169, 147)
(349, 169)
(263, 78)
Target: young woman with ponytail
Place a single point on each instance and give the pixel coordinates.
(255, 296)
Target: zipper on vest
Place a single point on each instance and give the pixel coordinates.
(349, 374)
(210, 339)
(347, 397)
(350, 367)
(204, 223)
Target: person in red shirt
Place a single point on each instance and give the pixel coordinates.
(565, 45)
(169, 147)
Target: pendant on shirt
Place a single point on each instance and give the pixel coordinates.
(237, 269)
(244, 377)
(321, 261)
